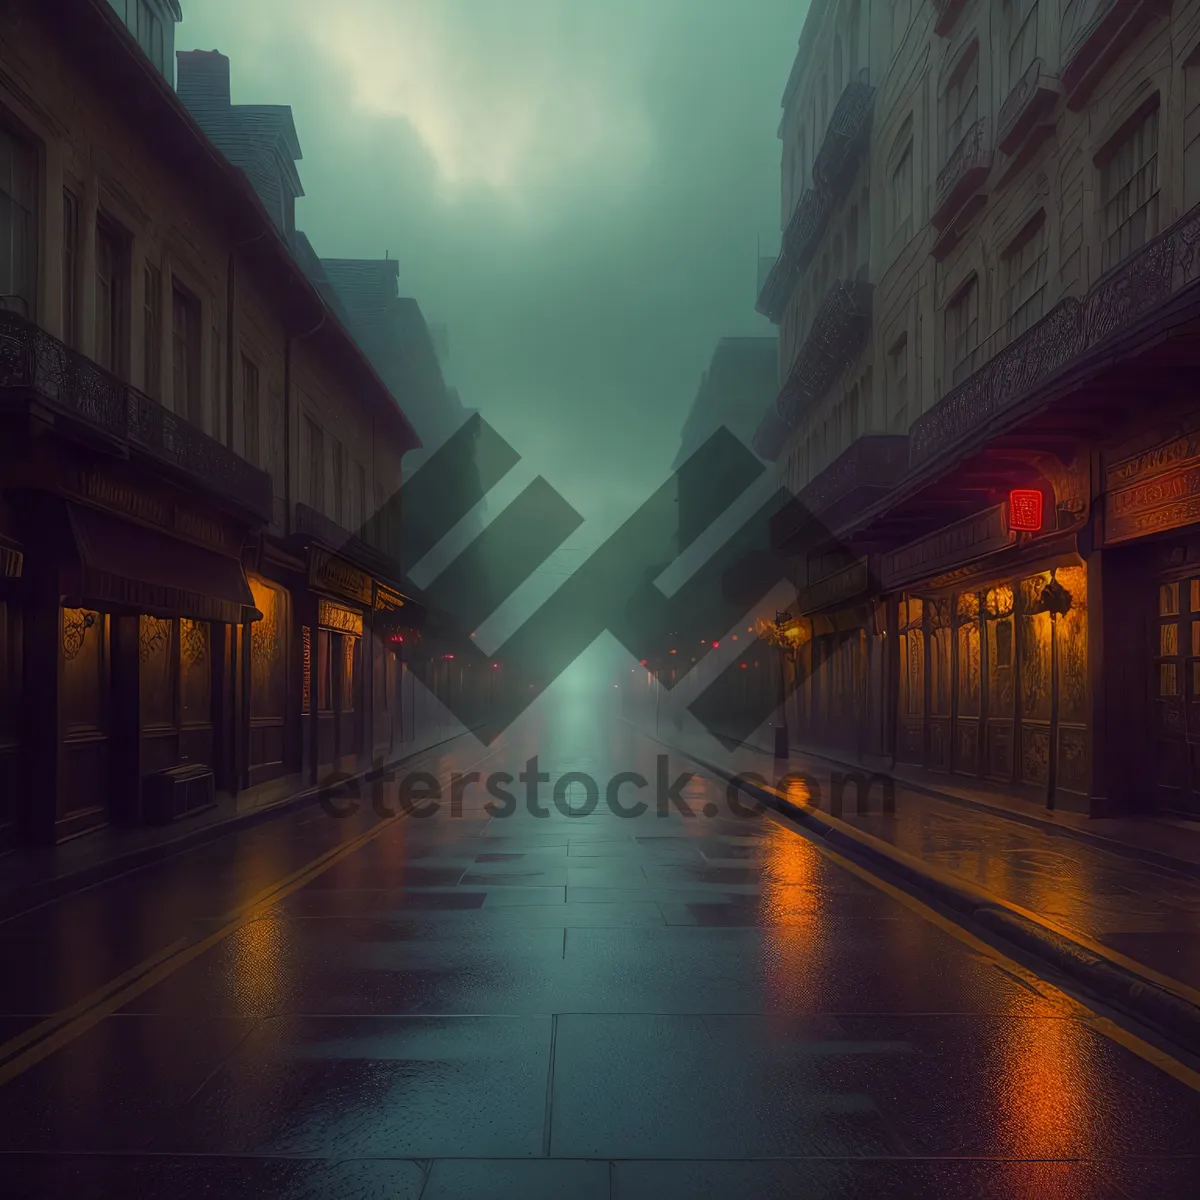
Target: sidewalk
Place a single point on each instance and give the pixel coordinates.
(30, 876)
(1108, 905)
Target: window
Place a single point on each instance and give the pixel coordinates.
(900, 197)
(148, 29)
(360, 513)
(314, 481)
(1129, 192)
(18, 225)
(897, 386)
(112, 295)
(1023, 268)
(1191, 132)
(185, 355)
(70, 268)
(251, 416)
(152, 332)
(962, 331)
(1021, 25)
(339, 482)
(961, 102)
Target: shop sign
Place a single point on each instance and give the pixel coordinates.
(387, 601)
(1025, 510)
(339, 618)
(1162, 490)
(328, 573)
(954, 546)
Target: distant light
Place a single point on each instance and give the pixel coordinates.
(735, 637)
(716, 645)
(743, 667)
(643, 662)
(447, 655)
(672, 652)
(495, 666)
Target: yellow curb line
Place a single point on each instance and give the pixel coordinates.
(64, 1027)
(1072, 1007)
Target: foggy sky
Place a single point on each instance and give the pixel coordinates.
(575, 189)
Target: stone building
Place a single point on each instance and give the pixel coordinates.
(987, 300)
(190, 433)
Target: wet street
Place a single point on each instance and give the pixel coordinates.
(470, 1004)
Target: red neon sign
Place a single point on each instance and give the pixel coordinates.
(1025, 510)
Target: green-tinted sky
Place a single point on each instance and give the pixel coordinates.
(574, 187)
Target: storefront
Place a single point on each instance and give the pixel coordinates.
(134, 603)
(992, 662)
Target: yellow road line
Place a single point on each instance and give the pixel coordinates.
(64, 1027)
(1190, 994)
(1069, 1005)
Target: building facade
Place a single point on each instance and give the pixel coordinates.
(190, 435)
(985, 409)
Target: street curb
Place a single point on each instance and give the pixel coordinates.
(1101, 841)
(23, 899)
(1144, 999)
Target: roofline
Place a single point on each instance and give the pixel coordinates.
(240, 188)
(814, 18)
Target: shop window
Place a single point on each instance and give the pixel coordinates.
(1129, 185)
(268, 651)
(998, 605)
(940, 634)
(84, 643)
(195, 673)
(970, 667)
(18, 224)
(1035, 650)
(912, 657)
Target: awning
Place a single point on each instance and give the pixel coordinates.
(123, 565)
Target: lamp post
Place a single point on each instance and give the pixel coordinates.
(781, 730)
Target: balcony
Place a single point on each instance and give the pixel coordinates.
(1028, 103)
(1121, 301)
(846, 136)
(964, 174)
(1094, 34)
(838, 333)
(863, 473)
(72, 386)
(946, 14)
(799, 241)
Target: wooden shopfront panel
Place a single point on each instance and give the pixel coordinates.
(941, 653)
(968, 682)
(1176, 686)
(10, 721)
(910, 710)
(1000, 646)
(175, 658)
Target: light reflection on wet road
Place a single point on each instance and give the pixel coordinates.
(528, 1006)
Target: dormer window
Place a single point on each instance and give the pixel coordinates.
(152, 23)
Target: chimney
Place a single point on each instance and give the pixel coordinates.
(203, 79)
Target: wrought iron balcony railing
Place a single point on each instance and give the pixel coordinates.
(800, 239)
(846, 136)
(1028, 102)
(837, 334)
(73, 386)
(945, 15)
(964, 173)
(1123, 298)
